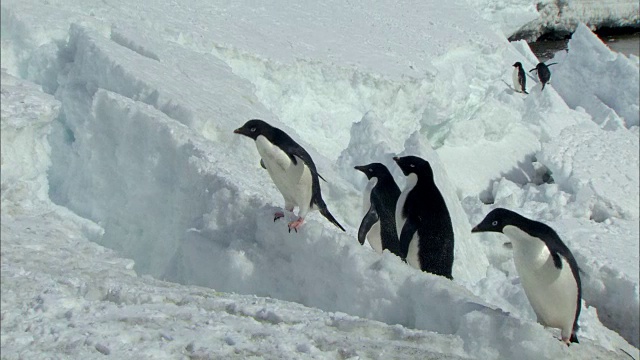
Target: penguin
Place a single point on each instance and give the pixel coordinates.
(519, 78)
(548, 271)
(543, 73)
(379, 223)
(291, 169)
(423, 221)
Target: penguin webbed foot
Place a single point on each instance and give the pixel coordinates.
(295, 224)
(568, 341)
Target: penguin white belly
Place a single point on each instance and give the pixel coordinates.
(294, 181)
(374, 238)
(412, 254)
(552, 292)
(412, 180)
(516, 82)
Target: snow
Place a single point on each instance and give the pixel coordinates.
(531, 18)
(611, 100)
(135, 224)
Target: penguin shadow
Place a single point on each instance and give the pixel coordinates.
(510, 89)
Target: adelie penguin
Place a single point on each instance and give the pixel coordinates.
(544, 75)
(547, 269)
(423, 221)
(291, 169)
(379, 223)
(519, 78)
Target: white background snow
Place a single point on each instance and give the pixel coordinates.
(135, 224)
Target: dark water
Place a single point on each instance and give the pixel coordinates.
(626, 44)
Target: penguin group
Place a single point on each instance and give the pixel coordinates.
(520, 78)
(415, 224)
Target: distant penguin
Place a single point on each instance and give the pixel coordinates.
(548, 271)
(379, 223)
(543, 73)
(423, 221)
(519, 78)
(291, 169)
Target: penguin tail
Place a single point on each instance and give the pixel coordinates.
(573, 338)
(543, 84)
(525, 91)
(325, 212)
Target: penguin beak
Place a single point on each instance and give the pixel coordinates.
(395, 158)
(360, 168)
(476, 229)
(237, 131)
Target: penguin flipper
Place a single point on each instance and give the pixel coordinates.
(262, 164)
(556, 260)
(406, 235)
(299, 152)
(367, 222)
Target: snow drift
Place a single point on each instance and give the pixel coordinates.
(142, 150)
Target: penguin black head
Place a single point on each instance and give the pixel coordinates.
(254, 128)
(496, 220)
(372, 170)
(414, 165)
(518, 64)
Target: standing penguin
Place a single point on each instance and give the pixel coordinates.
(519, 78)
(291, 169)
(379, 223)
(548, 271)
(423, 221)
(543, 73)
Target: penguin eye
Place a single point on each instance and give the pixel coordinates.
(370, 170)
(412, 165)
(494, 223)
(253, 129)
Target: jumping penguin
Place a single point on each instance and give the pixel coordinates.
(379, 224)
(291, 169)
(543, 73)
(519, 78)
(548, 271)
(423, 221)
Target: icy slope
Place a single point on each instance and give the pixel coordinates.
(143, 146)
(63, 294)
(591, 76)
(532, 18)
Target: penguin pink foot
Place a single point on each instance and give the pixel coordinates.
(295, 225)
(277, 215)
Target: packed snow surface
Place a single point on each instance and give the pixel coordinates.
(135, 224)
